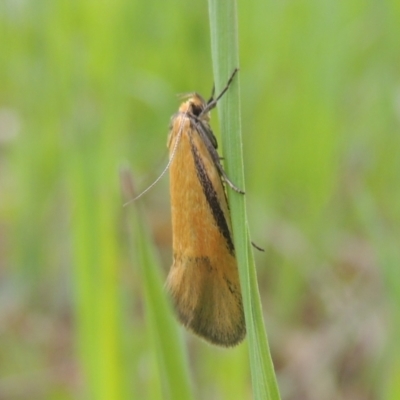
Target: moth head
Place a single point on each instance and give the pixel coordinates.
(195, 105)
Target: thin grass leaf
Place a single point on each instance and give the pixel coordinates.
(224, 44)
(96, 282)
(167, 341)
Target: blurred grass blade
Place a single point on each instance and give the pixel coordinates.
(224, 44)
(96, 283)
(173, 366)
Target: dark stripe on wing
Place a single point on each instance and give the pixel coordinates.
(212, 198)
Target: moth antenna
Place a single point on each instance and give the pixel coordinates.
(166, 167)
(213, 102)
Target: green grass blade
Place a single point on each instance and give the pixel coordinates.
(167, 341)
(96, 282)
(224, 43)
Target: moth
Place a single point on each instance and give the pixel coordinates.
(203, 281)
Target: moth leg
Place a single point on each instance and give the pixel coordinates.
(211, 143)
(210, 100)
(215, 156)
(228, 181)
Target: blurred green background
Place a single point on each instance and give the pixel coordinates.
(86, 86)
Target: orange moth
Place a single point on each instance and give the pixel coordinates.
(203, 280)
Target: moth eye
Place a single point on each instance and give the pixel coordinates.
(196, 109)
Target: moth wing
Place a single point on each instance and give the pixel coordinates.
(203, 280)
